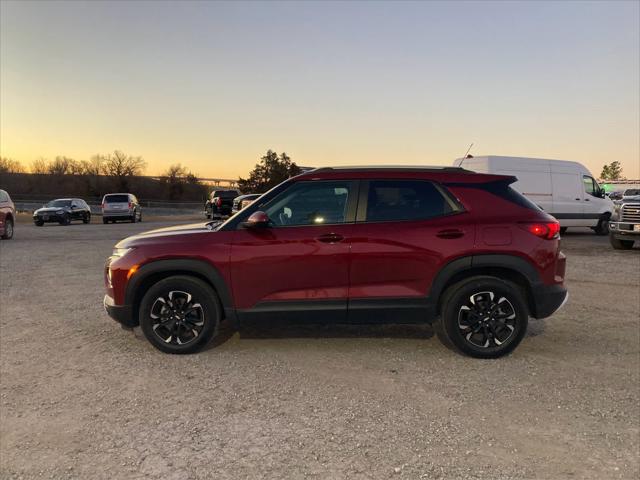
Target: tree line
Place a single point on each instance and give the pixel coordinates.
(121, 172)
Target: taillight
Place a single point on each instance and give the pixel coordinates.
(547, 230)
(130, 205)
(103, 205)
(218, 201)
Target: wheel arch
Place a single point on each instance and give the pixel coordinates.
(508, 267)
(151, 273)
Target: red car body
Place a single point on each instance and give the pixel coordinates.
(356, 271)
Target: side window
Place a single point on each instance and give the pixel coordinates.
(590, 186)
(3, 196)
(75, 204)
(311, 203)
(397, 200)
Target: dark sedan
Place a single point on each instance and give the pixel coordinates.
(63, 211)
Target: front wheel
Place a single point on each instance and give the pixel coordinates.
(8, 230)
(618, 244)
(603, 227)
(483, 316)
(66, 220)
(86, 218)
(180, 314)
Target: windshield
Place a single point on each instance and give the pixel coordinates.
(59, 203)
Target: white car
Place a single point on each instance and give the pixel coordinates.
(121, 206)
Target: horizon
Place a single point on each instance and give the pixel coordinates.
(213, 86)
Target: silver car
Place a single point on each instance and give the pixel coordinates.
(121, 206)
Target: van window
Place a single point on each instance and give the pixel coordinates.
(590, 186)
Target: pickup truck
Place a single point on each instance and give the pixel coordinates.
(624, 227)
(220, 203)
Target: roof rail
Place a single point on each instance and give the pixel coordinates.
(365, 168)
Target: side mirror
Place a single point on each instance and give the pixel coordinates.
(257, 219)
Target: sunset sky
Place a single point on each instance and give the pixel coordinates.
(213, 85)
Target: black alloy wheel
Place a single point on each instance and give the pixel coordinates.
(180, 314)
(483, 316)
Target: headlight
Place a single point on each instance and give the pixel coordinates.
(120, 252)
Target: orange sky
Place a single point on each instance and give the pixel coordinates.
(214, 85)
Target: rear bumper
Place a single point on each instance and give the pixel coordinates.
(548, 299)
(122, 314)
(118, 214)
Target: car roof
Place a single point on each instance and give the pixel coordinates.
(435, 173)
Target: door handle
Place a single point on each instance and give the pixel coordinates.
(330, 238)
(451, 233)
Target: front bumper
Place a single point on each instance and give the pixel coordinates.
(122, 314)
(548, 299)
(53, 217)
(624, 230)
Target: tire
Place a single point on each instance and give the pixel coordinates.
(494, 336)
(86, 218)
(39, 223)
(563, 230)
(8, 229)
(620, 244)
(133, 217)
(204, 319)
(105, 220)
(603, 227)
(140, 217)
(66, 220)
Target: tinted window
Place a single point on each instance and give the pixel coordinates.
(116, 199)
(310, 203)
(395, 200)
(226, 193)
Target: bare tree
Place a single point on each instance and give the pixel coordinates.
(8, 165)
(63, 166)
(39, 166)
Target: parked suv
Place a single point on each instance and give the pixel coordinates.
(121, 206)
(63, 211)
(7, 216)
(355, 245)
(220, 203)
(244, 201)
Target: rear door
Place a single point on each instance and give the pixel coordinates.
(406, 230)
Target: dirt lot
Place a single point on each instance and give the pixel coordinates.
(82, 398)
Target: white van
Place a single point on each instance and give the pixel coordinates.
(566, 190)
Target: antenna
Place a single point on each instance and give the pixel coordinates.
(468, 150)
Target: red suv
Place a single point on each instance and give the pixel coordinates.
(356, 245)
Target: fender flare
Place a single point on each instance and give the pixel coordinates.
(181, 266)
(511, 262)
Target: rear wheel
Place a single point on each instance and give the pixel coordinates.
(8, 229)
(618, 244)
(180, 314)
(563, 230)
(86, 218)
(133, 217)
(484, 317)
(105, 220)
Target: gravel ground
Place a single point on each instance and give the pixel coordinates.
(82, 398)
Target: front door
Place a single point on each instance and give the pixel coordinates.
(300, 263)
